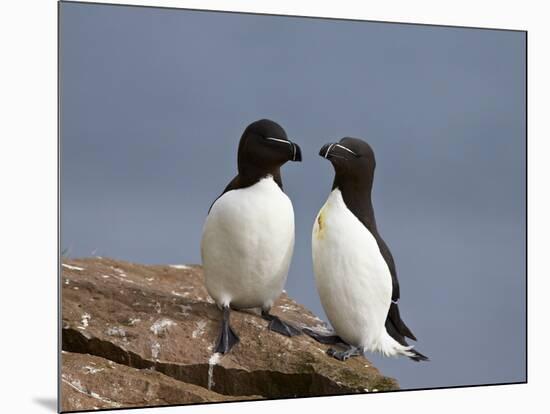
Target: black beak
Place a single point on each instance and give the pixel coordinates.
(337, 150)
(296, 152)
(325, 150)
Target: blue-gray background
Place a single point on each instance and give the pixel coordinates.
(154, 102)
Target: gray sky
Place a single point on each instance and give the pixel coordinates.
(154, 102)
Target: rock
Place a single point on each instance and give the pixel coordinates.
(159, 324)
(90, 382)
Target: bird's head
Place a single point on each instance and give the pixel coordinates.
(265, 146)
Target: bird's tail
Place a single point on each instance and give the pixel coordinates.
(388, 346)
(397, 330)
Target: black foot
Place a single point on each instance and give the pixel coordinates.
(277, 325)
(227, 338)
(343, 355)
(324, 339)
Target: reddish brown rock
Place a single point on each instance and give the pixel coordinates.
(90, 382)
(161, 318)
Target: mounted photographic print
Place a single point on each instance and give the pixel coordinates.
(257, 207)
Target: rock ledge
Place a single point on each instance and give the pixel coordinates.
(137, 335)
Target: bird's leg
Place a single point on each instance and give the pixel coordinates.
(277, 325)
(227, 338)
(343, 355)
(324, 339)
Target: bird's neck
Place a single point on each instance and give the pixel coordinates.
(357, 197)
(251, 174)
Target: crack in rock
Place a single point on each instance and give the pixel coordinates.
(229, 381)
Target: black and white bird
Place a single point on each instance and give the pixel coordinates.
(248, 236)
(354, 268)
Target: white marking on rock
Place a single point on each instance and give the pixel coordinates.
(91, 370)
(185, 309)
(119, 271)
(105, 276)
(179, 266)
(77, 385)
(199, 330)
(72, 267)
(116, 331)
(214, 359)
(85, 319)
(158, 307)
(149, 279)
(160, 326)
(133, 321)
(183, 295)
(155, 350)
(66, 281)
(253, 321)
(75, 288)
(286, 308)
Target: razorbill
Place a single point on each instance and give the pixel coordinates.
(354, 268)
(248, 237)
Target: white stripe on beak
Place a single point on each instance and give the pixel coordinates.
(328, 150)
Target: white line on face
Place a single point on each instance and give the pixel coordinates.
(278, 140)
(347, 149)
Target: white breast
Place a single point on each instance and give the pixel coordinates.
(247, 244)
(353, 279)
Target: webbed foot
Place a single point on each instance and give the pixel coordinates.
(279, 326)
(344, 355)
(227, 337)
(324, 339)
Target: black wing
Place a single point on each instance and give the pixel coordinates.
(394, 324)
(391, 264)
